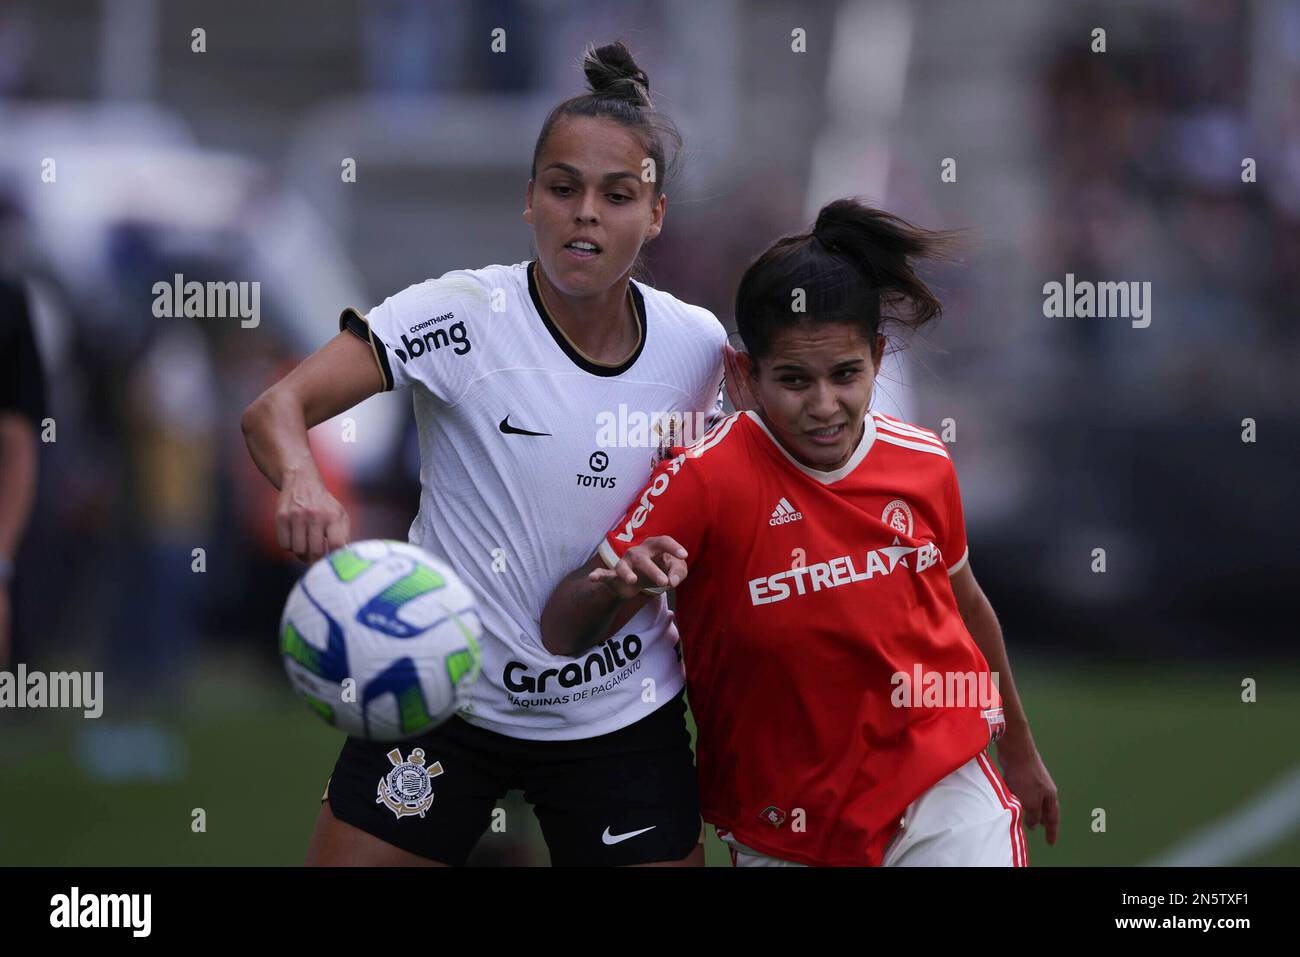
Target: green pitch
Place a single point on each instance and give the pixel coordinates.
(1162, 752)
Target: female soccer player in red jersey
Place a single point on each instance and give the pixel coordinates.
(845, 670)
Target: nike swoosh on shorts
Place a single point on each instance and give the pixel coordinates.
(609, 838)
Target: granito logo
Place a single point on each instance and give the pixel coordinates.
(603, 661)
(435, 339)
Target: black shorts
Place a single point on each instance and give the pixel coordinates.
(627, 797)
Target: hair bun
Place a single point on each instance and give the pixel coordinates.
(837, 216)
(837, 228)
(611, 71)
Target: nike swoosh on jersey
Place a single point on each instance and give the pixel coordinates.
(509, 429)
(609, 838)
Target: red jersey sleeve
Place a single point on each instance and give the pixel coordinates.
(954, 547)
(674, 502)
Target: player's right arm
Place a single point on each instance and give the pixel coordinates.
(309, 521)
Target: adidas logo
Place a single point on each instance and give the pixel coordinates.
(784, 513)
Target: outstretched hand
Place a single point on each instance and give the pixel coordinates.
(658, 562)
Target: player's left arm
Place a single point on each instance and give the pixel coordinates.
(1022, 766)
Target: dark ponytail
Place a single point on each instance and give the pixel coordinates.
(620, 91)
(856, 266)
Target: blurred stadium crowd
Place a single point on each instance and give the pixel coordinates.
(1071, 434)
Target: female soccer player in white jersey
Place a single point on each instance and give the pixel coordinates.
(838, 650)
(521, 376)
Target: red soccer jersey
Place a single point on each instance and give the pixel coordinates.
(808, 595)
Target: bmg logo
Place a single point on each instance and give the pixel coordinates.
(435, 339)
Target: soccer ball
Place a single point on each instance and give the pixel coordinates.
(380, 639)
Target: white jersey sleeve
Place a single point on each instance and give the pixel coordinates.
(429, 322)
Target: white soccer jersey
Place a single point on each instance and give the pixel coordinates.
(529, 452)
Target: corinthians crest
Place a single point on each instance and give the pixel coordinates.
(408, 788)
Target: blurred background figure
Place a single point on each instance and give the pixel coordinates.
(335, 152)
(22, 411)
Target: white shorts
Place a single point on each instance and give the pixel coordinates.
(968, 819)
